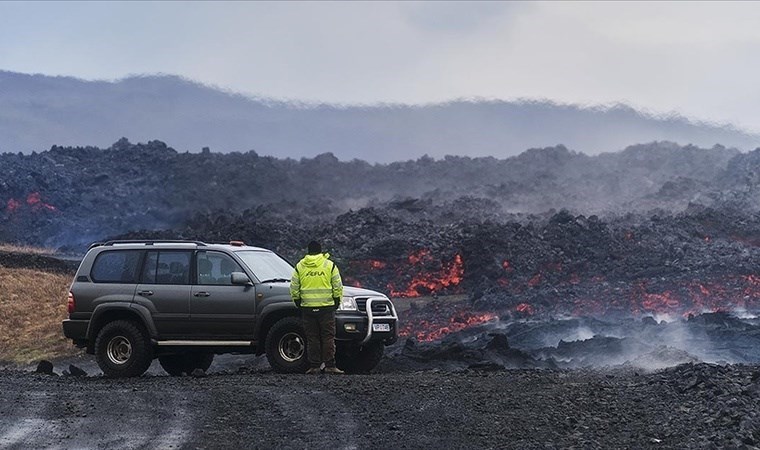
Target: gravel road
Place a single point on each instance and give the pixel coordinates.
(689, 406)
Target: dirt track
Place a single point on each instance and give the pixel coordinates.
(691, 406)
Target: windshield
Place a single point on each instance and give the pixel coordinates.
(266, 265)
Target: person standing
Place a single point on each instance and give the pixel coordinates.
(316, 288)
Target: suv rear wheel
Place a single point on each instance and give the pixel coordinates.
(176, 365)
(286, 346)
(122, 350)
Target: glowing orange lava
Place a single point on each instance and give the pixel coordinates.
(12, 205)
(665, 301)
(419, 256)
(449, 275)
(33, 200)
(525, 308)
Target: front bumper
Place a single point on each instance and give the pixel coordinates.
(363, 329)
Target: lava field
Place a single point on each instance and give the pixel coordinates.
(656, 232)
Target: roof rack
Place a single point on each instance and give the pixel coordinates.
(149, 242)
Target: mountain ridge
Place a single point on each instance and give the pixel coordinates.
(38, 111)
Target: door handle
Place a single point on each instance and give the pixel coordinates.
(145, 293)
(201, 294)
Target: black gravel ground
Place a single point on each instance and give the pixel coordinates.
(689, 406)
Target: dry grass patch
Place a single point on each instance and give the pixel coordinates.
(32, 306)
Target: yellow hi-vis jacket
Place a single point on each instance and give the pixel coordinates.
(316, 282)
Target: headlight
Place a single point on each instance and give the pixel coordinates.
(347, 304)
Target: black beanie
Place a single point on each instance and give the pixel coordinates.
(315, 248)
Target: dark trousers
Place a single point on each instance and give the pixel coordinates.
(320, 336)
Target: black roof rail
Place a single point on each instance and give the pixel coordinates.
(150, 242)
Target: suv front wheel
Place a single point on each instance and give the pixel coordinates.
(122, 350)
(286, 346)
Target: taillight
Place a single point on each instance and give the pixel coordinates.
(70, 304)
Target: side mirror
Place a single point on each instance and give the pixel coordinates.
(239, 278)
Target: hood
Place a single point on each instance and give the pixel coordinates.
(351, 291)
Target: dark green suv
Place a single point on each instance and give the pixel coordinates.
(184, 301)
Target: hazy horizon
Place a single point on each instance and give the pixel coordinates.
(312, 104)
(38, 111)
(693, 59)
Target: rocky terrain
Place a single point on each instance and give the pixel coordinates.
(550, 300)
(45, 263)
(71, 196)
(688, 406)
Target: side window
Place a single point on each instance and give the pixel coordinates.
(116, 266)
(167, 267)
(215, 268)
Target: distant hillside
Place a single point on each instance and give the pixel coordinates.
(37, 112)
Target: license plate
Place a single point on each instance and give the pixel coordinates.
(381, 327)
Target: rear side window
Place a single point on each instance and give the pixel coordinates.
(216, 268)
(167, 267)
(117, 266)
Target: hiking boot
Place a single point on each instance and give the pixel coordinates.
(313, 371)
(334, 371)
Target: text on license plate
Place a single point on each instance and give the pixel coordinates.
(381, 327)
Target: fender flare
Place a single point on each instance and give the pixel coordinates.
(141, 312)
(283, 309)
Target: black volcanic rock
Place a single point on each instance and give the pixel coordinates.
(76, 195)
(484, 352)
(39, 262)
(76, 371)
(44, 367)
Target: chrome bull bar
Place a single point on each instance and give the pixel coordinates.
(370, 316)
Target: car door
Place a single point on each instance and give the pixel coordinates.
(165, 290)
(220, 310)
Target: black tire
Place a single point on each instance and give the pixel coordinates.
(360, 359)
(176, 365)
(286, 346)
(122, 349)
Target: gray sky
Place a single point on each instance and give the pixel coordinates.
(699, 59)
